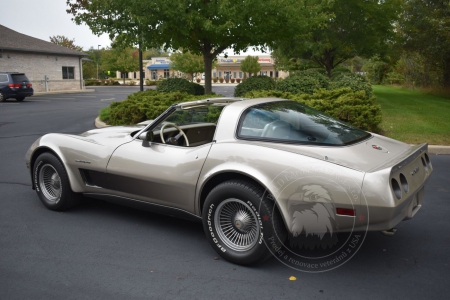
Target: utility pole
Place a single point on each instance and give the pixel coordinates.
(98, 57)
(141, 79)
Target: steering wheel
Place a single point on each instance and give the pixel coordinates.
(175, 138)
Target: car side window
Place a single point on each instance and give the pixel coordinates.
(3, 78)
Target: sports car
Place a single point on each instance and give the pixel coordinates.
(248, 169)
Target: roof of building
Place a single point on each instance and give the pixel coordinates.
(13, 40)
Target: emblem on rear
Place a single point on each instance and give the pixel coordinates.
(376, 147)
(413, 172)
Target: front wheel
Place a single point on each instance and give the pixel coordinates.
(237, 216)
(52, 183)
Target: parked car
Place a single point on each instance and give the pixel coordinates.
(14, 85)
(249, 169)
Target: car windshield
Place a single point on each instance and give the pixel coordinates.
(202, 114)
(292, 122)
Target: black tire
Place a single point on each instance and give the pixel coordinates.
(52, 183)
(2, 97)
(20, 99)
(235, 209)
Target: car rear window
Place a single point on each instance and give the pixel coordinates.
(19, 77)
(292, 122)
(3, 78)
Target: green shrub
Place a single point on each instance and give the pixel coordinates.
(354, 81)
(104, 114)
(343, 104)
(132, 82)
(147, 105)
(151, 82)
(338, 71)
(254, 83)
(305, 82)
(180, 85)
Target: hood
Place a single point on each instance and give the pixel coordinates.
(366, 156)
(109, 135)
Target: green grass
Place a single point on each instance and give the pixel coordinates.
(414, 117)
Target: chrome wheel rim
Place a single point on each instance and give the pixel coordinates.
(237, 225)
(50, 183)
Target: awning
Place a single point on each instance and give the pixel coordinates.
(158, 67)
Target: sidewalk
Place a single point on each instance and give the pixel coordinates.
(64, 92)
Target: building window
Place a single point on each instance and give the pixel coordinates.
(276, 74)
(271, 73)
(68, 72)
(234, 74)
(240, 74)
(134, 75)
(220, 74)
(166, 73)
(214, 75)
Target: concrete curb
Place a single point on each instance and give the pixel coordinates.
(64, 92)
(432, 149)
(438, 150)
(100, 124)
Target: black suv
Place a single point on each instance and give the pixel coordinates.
(14, 85)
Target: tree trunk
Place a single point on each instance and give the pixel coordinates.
(207, 60)
(446, 73)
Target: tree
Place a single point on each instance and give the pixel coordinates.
(122, 60)
(155, 52)
(65, 42)
(187, 63)
(204, 27)
(363, 28)
(425, 29)
(250, 65)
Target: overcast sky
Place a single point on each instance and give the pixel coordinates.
(44, 18)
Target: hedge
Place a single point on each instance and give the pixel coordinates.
(141, 106)
(260, 82)
(180, 85)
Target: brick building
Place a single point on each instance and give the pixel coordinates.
(38, 59)
(159, 68)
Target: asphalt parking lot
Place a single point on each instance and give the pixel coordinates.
(104, 251)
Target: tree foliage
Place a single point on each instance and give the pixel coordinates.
(187, 62)
(250, 65)
(356, 28)
(202, 27)
(425, 32)
(122, 60)
(65, 42)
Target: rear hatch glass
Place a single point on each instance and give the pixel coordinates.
(19, 78)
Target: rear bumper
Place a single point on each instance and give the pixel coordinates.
(19, 93)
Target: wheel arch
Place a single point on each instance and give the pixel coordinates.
(223, 176)
(35, 155)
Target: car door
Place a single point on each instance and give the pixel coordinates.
(159, 173)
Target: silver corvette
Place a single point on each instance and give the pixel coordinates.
(256, 172)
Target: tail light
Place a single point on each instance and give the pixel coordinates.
(29, 85)
(14, 85)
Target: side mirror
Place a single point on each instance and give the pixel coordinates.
(146, 138)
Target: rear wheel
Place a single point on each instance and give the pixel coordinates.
(237, 217)
(52, 183)
(20, 99)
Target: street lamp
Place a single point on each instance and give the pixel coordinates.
(98, 58)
